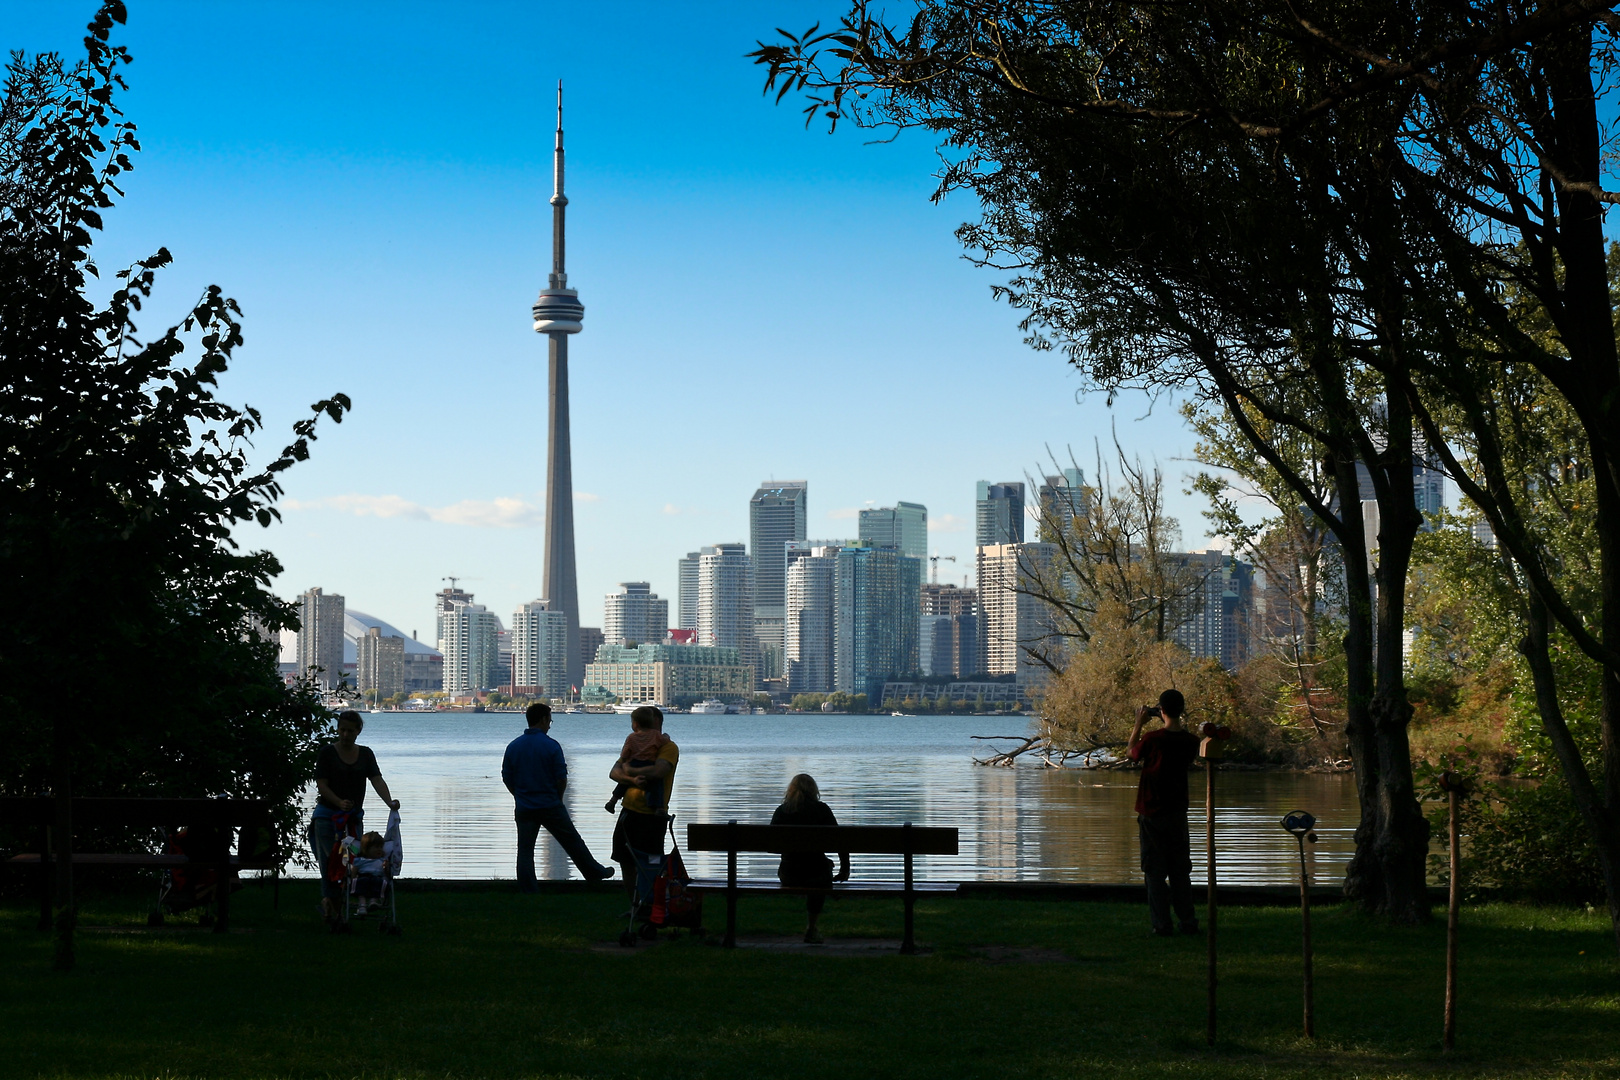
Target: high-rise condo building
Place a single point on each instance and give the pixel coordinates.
(949, 641)
(726, 601)
(379, 664)
(1011, 621)
(776, 518)
(687, 592)
(539, 650)
(557, 314)
(998, 516)
(876, 617)
(1220, 622)
(590, 640)
(444, 601)
(1062, 498)
(808, 618)
(903, 526)
(320, 637)
(634, 615)
(471, 648)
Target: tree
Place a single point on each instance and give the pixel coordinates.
(122, 476)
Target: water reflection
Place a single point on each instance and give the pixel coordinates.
(1022, 824)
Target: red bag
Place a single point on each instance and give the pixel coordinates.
(674, 903)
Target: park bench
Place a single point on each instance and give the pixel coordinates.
(907, 840)
(249, 819)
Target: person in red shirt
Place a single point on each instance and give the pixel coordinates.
(1161, 812)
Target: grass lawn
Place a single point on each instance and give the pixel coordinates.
(498, 984)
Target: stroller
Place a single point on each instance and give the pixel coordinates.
(185, 887)
(663, 896)
(373, 879)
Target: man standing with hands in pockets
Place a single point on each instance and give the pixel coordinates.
(1161, 812)
(536, 775)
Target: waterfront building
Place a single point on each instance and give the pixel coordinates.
(590, 640)
(634, 615)
(540, 650)
(726, 601)
(320, 637)
(808, 621)
(423, 665)
(380, 663)
(776, 518)
(948, 600)
(1011, 621)
(976, 692)
(1220, 622)
(903, 526)
(674, 675)
(471, 649)
(444, 601)
(687, 592)
(557, 314)
(1062, 498)
(876, 617)
(949, 640)
(998, 516)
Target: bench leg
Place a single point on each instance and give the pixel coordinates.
(222, 898)
(731, 900)
(908, 946)
(47, 894)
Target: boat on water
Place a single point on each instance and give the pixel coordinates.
(628, 707)
(710, 707)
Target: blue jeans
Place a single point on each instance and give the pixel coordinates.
(322, 835)
(556, 821)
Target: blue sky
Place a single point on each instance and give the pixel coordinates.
(762, 301)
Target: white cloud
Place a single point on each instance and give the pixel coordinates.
(847, 513)
(585, 496)
(501, 513)
(947, 523)
(671, 509)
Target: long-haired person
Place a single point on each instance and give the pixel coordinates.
(802, 805)
(341, 772)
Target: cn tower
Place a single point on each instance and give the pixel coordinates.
(557, 313)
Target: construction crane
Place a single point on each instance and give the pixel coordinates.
(933, 569)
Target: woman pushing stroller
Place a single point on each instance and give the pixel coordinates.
(341, 772)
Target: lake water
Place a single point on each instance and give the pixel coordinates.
(1027, 823)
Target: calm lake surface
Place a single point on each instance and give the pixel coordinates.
(1027, 823)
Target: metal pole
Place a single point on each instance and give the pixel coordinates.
(1450, 1038)
(1305, 911)
(1209, 857)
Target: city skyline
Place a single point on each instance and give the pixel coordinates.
(386, 241)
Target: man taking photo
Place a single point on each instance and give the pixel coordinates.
(1161, 812)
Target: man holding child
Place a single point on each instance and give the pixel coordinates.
(645, 772)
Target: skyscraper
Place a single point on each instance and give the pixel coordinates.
(903, 526)
(687, 593)
(726, 601)
(320, 636)
(876, 617)
(634, 615)
(776, 518)
(557, 313)
(540, 650)
(949, 642)
(808, 619)
(1013, 622)
(1062, 498)
(444, 601)
(471, 648)
(379, 663)
(998, 517)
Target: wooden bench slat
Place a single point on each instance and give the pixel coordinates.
(855, 839)
(141, 859)
(137, 812)
(873, 888)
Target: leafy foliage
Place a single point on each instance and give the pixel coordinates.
(122, 478)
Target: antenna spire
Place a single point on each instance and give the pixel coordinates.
(559, 204)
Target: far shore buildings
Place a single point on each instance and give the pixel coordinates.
(1011, 621)
(776, 518)
(471, 647)
(320, 637)
(674, 675)
(726, 602)
(852, 617)
(634, 615)
(539, 651)
(379, 664)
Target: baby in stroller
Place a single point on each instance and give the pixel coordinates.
(373, 862)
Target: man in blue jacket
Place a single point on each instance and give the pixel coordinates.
(536, 775)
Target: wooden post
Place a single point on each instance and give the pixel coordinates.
(1305, 912)
(731, 886)
(1453, 786)
(908, 946)
(1209, 857)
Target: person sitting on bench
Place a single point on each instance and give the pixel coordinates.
(802, 805)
